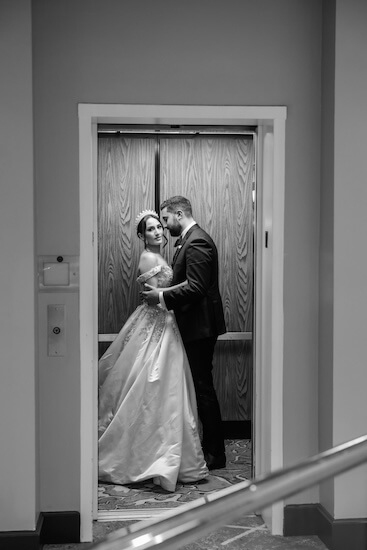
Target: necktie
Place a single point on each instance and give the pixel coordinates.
(177, 245)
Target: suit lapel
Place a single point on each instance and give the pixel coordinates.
(178, 250)
(176, 254)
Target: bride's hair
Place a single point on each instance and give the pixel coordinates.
(142, 226)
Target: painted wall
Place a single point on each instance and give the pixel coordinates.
(18, 432)
(343, 265)
(209, 52)
(350, 263)
(326, 336)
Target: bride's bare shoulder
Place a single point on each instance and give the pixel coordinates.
(147, 261)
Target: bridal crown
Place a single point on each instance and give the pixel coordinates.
(142, 215)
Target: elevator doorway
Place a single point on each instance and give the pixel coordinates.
(215, 168)
(269, 323)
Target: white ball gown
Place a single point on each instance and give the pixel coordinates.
(147, 417)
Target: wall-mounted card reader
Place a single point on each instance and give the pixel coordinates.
(56, 346)
(58, 273)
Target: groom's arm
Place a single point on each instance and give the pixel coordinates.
(199, 257)
(154, 295)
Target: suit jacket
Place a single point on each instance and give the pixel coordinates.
(198, 306)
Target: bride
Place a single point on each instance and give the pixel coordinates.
(147, 416)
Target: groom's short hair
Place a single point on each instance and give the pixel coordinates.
(177, 203)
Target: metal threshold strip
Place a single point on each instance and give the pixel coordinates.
(198, 518)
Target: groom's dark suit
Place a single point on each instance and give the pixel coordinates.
(199, 313)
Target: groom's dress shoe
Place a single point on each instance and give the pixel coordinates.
(215, 462)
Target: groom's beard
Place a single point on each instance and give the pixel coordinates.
(175, 230)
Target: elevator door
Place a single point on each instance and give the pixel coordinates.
(217, 174)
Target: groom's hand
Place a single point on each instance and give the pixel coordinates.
(151, 296)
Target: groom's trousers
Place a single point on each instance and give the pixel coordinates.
(200, 355)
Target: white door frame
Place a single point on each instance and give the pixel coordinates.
(268, 377)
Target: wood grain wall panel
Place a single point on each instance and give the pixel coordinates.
(232, 375)
(125, 187)
(216, 174)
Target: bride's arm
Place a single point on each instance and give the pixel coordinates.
(146, 263)
(153, 280)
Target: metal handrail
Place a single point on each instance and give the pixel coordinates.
(198, 518)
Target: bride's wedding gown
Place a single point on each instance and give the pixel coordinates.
(147, 418)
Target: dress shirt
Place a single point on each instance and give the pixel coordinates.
(182, 236)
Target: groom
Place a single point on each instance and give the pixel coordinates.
(199, 313)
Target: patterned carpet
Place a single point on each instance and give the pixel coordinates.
(145, 497)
